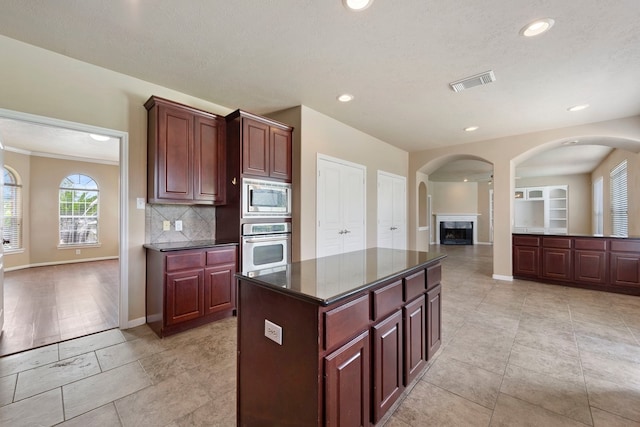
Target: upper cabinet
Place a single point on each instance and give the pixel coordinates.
(186, 154)
(265, 145)
(541, 209)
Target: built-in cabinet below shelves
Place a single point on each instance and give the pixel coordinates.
(541, 210)
(600, 263)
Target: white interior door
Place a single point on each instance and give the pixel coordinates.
(340, 207)
(392, 211)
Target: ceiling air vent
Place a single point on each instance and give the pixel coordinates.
(477, 80)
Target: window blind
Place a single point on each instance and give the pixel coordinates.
(12, 209)
(619, 200)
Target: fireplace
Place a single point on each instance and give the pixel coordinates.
(456, 233)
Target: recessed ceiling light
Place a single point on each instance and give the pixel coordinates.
(578, 107)
(572, 142)
(100, 138)
(345, 97)
(537, 27)
(465, 180)
(357, 5)
(471, 128)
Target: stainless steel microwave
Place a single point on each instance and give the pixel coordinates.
(262, 198)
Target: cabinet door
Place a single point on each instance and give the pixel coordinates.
(387, 364)
(525, 261)
(174, 161)
(219, 288)
(556, 263)
(415, 338)
(625, 269)
(255, 148)
(434, 321)
(280, 154)
(184, 300)
(347, 387)
(209, 160)
(590, 267)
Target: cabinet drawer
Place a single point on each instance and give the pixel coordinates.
(625, 245)
(526, 241)
(181, 261)
(434, 275)
(346, 321)
(591, 244)
(556, 242)
(387, 299)
(221, 256)
(414, 285)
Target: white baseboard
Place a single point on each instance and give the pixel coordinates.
(45, 264)
(501, 277)
(136, 322)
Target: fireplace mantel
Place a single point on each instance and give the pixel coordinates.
(443, 217)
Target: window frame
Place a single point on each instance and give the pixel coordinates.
(619, 200)
(16, 208)
(73, 194)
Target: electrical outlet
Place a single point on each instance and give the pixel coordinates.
(273, 331)
(77, 251)
(166, 225)
(140, 203)
(178, 225)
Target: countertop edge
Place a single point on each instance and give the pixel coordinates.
(154, 247)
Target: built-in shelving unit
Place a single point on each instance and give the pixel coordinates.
(541, 209)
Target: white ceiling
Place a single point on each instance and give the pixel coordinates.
(396, 57)
(49, 141)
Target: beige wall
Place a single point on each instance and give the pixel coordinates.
(633, 187)
(579, 195)
(504, 154)
(320, 134)
(454, 197)
(37, 81)
(41, 180)
(484, 220)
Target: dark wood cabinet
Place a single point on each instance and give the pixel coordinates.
(388, 351)
(625, 264)
(343, 363)
(265, 146)
(526, 256)
(601, 263)
(434, 320)
(415, 321)
(187, 288)
(347, 385)
(590, 261)
(186, 154)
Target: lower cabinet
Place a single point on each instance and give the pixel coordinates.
(347, 385)
(601, 263)
(187, 288)
(388, 351)
(367, 350)
(434, 321)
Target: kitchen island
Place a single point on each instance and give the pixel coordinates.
(336, 340)
(604, 263)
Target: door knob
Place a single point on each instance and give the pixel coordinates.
(393, 228)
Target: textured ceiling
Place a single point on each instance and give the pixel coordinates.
(396, 57)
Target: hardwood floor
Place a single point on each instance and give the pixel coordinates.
(45, 305)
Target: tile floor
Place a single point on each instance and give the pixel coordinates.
(514, 354)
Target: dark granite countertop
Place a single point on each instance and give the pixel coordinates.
(330, 279)
(596, 236)
(179, 246)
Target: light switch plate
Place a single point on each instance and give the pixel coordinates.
(140, 203)
(166, 225)
(273, 331)
(178, 225)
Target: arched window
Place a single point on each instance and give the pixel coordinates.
(78, 210)
(12, 207)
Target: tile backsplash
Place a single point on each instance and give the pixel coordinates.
(198, 223)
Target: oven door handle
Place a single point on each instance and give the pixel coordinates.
(265, 239)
